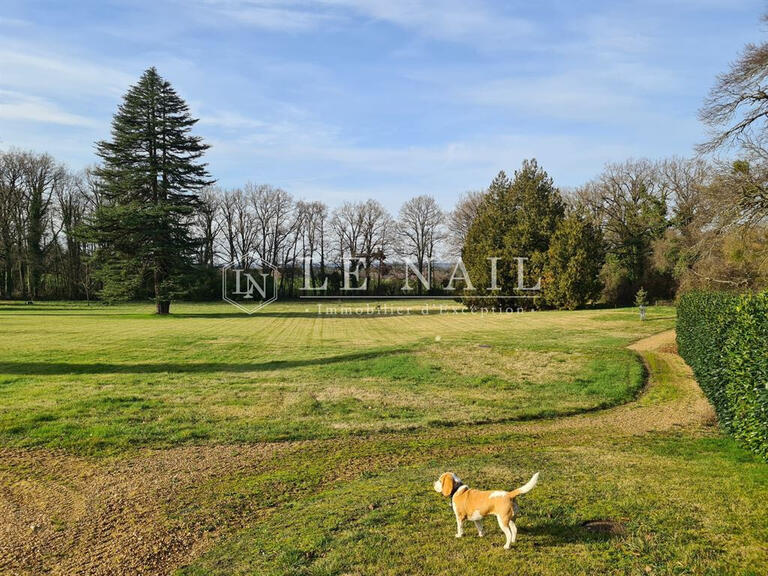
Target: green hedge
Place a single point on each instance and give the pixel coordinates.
(724, 338)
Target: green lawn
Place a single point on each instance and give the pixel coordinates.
(295, 443)
(101, 379)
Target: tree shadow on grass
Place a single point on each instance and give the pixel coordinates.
(103, 313)
(52, 368)
(348, 313)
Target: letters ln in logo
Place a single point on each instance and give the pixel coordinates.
(250, 285)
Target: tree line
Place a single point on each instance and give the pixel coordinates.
(42, 203)
(266, 223)
(662, 226)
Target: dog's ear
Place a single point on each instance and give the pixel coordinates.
(446, 481)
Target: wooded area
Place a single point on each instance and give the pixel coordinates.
(676, 223)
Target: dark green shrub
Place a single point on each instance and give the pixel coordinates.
(724, 338)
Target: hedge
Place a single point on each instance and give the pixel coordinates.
(724, 338)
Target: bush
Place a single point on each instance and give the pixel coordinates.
(724, 338)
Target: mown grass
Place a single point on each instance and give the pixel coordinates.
(684, 500)
(104, 379)
(383, 404)
(686, 505)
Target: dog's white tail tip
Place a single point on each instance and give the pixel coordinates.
(529, 485)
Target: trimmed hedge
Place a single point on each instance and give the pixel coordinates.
(724, 338)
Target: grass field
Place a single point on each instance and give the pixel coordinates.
(298, 442)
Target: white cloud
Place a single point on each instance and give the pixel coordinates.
(602, 70)
(269, 15)
(311, 159)
(472, 22)
(13, 22)
(612, 94)
(28, 70)
(19, 107)
(229, 120)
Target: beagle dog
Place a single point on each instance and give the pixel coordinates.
(473, 505)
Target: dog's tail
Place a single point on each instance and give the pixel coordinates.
(526, 487)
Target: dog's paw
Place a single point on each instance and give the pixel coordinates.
(459, 535)
(480, 535)
(507, 546)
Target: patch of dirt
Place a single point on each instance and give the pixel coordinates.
(669, 349)
(517, 365)
(612, 527)
(71, 516)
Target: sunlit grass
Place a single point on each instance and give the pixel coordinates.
(104, 378)
(382, 404)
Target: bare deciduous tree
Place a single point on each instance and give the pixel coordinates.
(347, 224)
(11, 199)
(246, 233)
(228, 202)
(208, 222)
(631, 203)
(461, 218)
(736, 110)
(274, 218)
(29, 185)
(420, 229)
(73, 205)
(684, 180)
(312, 218)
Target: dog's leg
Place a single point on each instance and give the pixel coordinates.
(459, 527)
(504, 525)
(479, 526)
(513, 530)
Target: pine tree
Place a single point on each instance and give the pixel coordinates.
(572, 268)
(516, 220)
(151, 175)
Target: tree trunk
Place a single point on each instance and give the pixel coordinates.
(163, 306)
(8, 277)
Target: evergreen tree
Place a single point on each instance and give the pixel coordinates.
(574, 259)
(151, 174)
(516, 219)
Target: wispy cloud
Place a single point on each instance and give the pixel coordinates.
(448, 166)
(26, 68)
(612, 94)
(25, 108)
(229, 120)
(473, 22)
(602, 70)
(278, 16)
(465, 21)
(13, 22)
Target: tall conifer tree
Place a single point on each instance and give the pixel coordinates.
(516, 219)
(151, 174)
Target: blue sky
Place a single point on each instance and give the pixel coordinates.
(349, 99)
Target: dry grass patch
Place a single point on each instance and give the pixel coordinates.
(512, 365)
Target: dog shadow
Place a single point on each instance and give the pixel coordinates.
(553, 533)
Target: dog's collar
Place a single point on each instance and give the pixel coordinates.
(456, 487)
